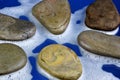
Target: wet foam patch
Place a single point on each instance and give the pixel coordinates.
(99, 58)
(44, 73)
(92, 64)
(92, 70)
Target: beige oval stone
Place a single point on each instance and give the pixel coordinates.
(12, 58)
(53, 14)
(60, 62)
(15, 29)
(102, 15)
(100, 43)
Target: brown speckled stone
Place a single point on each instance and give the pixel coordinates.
(100, 43)
(60, 62)
(12, 58)
(15, 29)
(102, 15)
(53, 14)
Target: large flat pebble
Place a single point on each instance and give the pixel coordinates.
(15, 29)
(53, 14)
(60, 62)
(12, 58)
(100, 43)
(102, 15)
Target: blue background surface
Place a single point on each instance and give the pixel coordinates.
(74, 5)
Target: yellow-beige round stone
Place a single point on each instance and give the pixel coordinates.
(60, 61)
(12, 58)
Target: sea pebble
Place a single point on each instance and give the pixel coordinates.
(60, 61)
(12, 58)
(15, 29)
(100, 43)
(102, 15)
(53, 14)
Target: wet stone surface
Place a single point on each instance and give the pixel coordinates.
(15, 29)
(102, 15)
(100, 43)
(53, 14)
(60, 62)
(12, 58)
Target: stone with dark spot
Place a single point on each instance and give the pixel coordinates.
(15, 29)
(12, 58)
(100, 43)
(102, 15)
(53, 14)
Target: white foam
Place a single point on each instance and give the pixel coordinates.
(42, 71)
(92, 71)
(91, 64)
(102, 59)
(106, 32)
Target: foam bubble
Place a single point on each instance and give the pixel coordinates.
(92, 70)
(91, 63)
(106, 32)
(42, 71)
(102, 59)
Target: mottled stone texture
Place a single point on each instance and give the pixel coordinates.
(60, 62)
(102, 15)
(15, 29)
(53, 14)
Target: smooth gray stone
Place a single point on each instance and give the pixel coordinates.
(15, 29)
(12, 58)
(54, 15)
(100, 43)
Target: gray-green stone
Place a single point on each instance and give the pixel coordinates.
(53, 14)
(15, 29)
(100, 43)
(12, 58)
